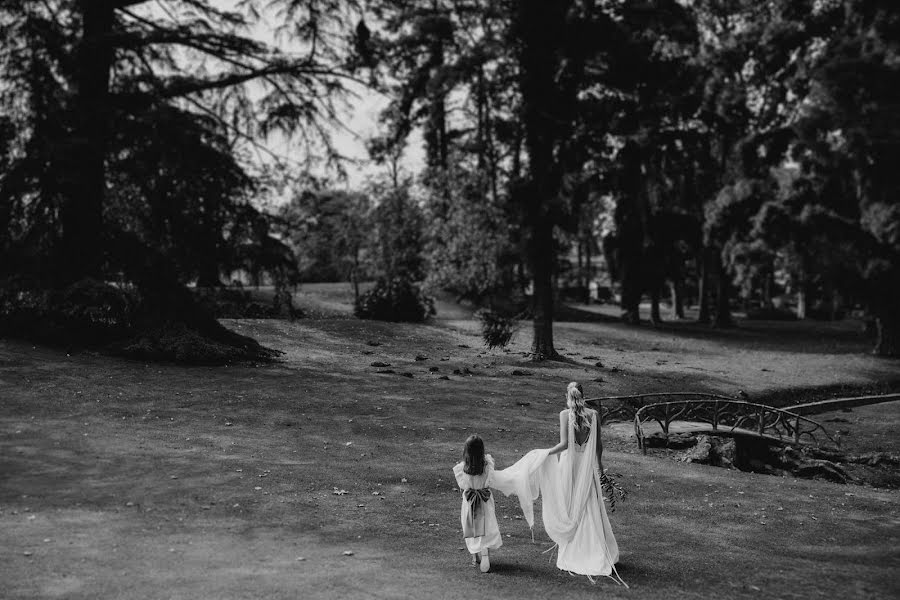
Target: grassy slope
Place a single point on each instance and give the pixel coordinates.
(81, 437)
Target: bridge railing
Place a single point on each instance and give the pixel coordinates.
(725, 413)
(623, 408)
(720, 412)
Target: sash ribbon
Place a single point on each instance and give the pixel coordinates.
(474, 524)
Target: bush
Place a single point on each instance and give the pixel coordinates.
(179, 343)
(87, 312)
(231, 303)
(395, 300)
(94, 314)
(771, 314)
(496, 329)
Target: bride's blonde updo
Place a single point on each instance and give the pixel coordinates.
(575, 403)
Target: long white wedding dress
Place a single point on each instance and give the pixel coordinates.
(573, 511)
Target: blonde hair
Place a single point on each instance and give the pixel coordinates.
(575, 403)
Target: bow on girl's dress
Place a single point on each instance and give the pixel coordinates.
(474, 525)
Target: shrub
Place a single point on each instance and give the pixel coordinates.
(397, 299)
(94, 314)
(90, 305)
(179, 343)
(86, 312)
(771, 314)
(496, 329)
(231, 303)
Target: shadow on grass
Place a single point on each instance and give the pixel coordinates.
(792, 336)
(573, 314)
(799, 395)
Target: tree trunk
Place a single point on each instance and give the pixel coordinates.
(632, 289)
(887, 327)
(435, 130)
(208, 275)
(542, 299)
(354, 278)
(540, 29)
(589, 272)
(802, 301)
(767, 290)
(723, 317)
(703, 287)
(678, 298)
(581, 279)
(82, 209)
(655, 317)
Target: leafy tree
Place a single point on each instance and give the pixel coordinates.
(399, 232)
(848, 138)
(99, 88)
(330, 233)
(468, 248)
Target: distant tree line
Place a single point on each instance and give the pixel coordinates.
(732, 147)
(722, 141)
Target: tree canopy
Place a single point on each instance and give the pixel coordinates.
(729, 150)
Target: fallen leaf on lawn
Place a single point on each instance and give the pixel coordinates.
(348, 444)
(257, 488)
(338, 492)
(348, 553)
(403, 480)
(300, 558)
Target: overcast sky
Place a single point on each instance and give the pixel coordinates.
(360, 118)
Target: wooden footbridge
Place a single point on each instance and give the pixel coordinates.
(678, 412)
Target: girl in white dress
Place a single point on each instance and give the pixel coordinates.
(573, 511)
(474, 475)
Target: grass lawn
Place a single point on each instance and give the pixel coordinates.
(121, 479)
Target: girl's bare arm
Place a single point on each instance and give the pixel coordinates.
(563, 434)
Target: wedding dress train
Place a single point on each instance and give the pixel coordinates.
(573, 511)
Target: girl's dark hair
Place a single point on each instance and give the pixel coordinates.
(473, 456)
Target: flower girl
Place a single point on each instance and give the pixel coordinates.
(479, 520)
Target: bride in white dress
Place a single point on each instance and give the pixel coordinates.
(573, 510)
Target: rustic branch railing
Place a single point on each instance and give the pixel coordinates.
(623, 408)
(720, 412)
(726, 413)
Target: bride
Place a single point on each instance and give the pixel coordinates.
(573, 511)
(569, 477)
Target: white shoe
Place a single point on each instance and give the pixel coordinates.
(485, 563)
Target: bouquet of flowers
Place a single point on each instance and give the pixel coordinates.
(611, 489)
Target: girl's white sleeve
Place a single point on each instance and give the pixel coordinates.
(460, 475)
